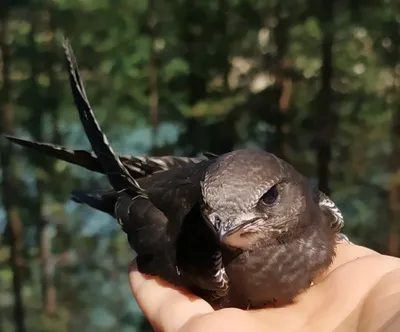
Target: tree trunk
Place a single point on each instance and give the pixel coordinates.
(153, 72)
(2, 317)
(326, 118)
(36, 128)
(393, 245)
(394, 190)
(9, 189)
(283, 83)
(43, 242)
(48, 288)
(53, 97)
(196, 84)
(224, 40)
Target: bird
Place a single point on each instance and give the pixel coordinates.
(242, 229)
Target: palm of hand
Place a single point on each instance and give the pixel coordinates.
(360, 292)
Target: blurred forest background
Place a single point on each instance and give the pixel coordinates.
(316, 82)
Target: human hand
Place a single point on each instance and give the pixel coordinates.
(359, 292)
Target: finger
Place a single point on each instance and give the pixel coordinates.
(232, 320)
(336, 294)
(381, 309)
(166, 307)
(345, 253)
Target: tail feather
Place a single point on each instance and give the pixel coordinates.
(117, 174)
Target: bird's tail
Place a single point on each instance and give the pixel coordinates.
(137, 167)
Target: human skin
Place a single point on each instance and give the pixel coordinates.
(359, 292)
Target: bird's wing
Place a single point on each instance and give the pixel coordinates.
(177, 193)
(101, 200)
(149, 165)
(155, 212)
(137, 166)
(117, 174)
(167, 229)
(160, 214)
(130, 202)
(177, 190)
(173, 192)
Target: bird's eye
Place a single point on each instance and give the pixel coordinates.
(271, 196)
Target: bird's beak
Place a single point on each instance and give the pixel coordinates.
(234, 233)
(226, 230)
(221, 234)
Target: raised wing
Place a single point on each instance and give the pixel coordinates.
(116, 172)
(155, 199)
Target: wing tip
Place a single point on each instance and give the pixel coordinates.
(66, 44)
(11, 137)
(77, 86)
(20, 141)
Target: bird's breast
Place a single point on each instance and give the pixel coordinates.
(275, 274)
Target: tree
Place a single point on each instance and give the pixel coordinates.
(326, 117)
(9, 186)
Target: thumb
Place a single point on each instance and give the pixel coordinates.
(166, 307)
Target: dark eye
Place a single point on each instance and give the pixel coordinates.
(271, 196)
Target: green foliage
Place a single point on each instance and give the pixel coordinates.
(218, 68)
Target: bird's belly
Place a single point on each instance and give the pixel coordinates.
(276, 274)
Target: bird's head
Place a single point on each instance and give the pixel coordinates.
(251, 195)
